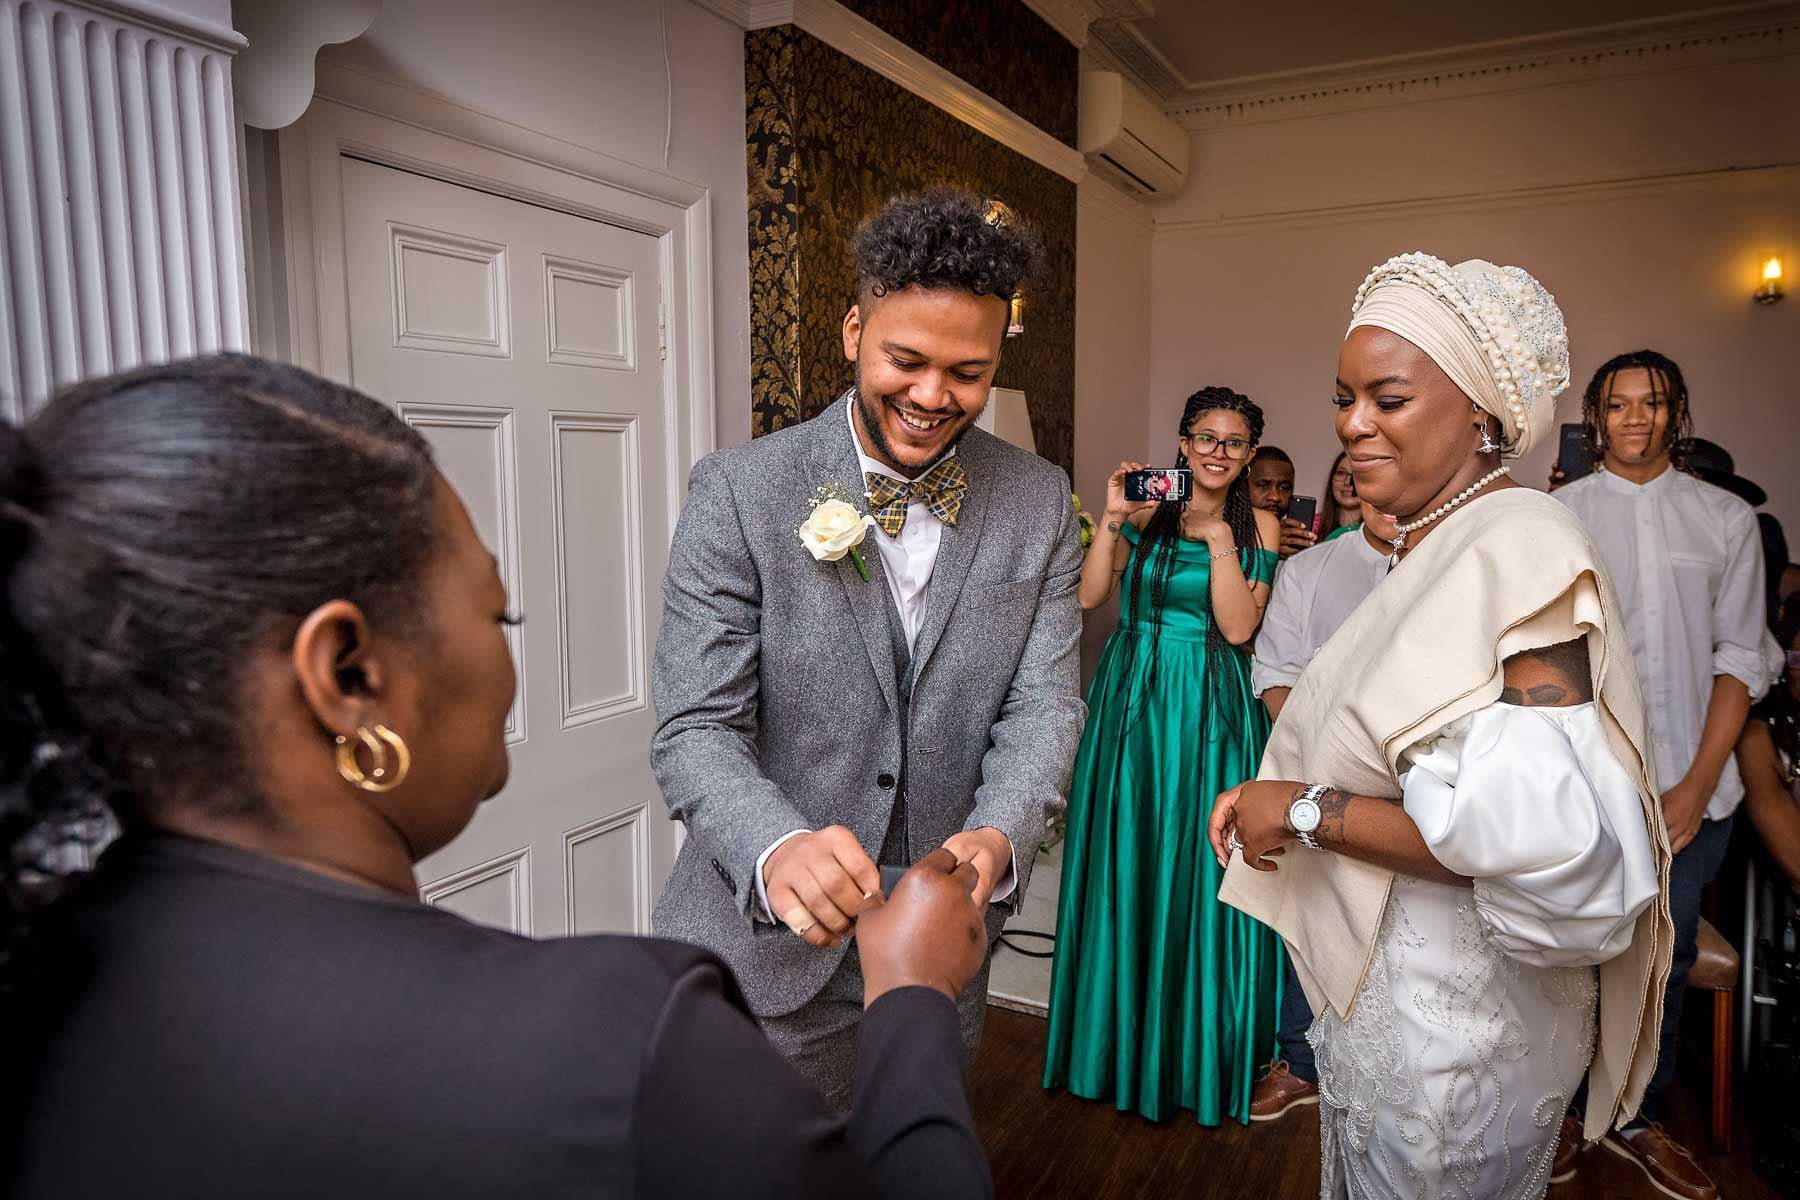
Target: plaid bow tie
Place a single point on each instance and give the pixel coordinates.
(940, 490)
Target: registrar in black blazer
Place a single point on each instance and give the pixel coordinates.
(221, 1024)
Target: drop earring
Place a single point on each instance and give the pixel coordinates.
(1488, 444)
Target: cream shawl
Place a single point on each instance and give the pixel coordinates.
(1508, 572)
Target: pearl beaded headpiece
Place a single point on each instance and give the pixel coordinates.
(1494, 330)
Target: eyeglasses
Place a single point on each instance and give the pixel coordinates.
(1236, 449)
(1342, 476)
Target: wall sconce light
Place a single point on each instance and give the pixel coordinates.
(1016, 324)
(1769, 291)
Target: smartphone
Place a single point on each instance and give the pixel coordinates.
(1572, 453)
(1170, 483)
(1305, 509)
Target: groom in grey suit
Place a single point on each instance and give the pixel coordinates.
(814, 724)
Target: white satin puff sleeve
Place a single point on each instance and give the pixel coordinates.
(1531, 804)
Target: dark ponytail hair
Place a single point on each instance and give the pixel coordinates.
(1154, 554)
(155, 527)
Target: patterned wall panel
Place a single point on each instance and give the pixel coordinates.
(999, 46)
(828, 142)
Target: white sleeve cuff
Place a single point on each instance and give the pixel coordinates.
(762, 894)
(1009, 882)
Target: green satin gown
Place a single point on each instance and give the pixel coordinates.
(1162, 997)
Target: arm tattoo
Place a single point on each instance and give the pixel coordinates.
(1332, 807)
(1550, 677)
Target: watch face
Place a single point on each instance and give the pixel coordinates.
(1304, 815)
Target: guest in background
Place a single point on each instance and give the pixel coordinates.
(1271, 474)
(248, 621)
(1161, 997)
(1768, 757)
(1314, 594)
(1687, 564)
(1340, 510)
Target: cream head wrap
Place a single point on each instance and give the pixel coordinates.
(1495, 332)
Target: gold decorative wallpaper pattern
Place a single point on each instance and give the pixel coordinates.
(828, 141)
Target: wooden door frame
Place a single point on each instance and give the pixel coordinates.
(354, 115)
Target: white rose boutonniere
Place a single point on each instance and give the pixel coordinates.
(835, 529)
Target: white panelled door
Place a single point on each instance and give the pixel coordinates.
(524, 344)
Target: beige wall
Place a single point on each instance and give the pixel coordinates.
(1112, 355)
(592, 72)
(1641, 202)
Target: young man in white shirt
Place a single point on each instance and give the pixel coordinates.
(1686, 560)
(1315, 592)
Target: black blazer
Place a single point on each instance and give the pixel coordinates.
(222, 1024)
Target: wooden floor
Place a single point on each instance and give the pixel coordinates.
(1046, 1145)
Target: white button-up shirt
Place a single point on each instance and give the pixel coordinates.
(1686, 562)
(1315, 592)
(907, 561)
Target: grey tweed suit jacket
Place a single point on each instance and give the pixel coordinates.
(775, 683)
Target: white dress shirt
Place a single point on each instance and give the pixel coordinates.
(1686, 561)
(1315, 592)
(907, 561)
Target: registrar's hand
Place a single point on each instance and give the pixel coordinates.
(929, 933)
(816, 883)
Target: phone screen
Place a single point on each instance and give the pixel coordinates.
(1171, 483)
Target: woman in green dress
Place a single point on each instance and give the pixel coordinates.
(1162, 997)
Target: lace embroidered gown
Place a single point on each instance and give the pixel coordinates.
(1475, 1020)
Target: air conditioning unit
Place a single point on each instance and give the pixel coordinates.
(1124, 130)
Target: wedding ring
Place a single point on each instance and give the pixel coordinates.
(1233, 843)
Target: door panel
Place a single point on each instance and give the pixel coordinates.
(522, 343)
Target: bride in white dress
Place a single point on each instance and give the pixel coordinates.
(1471, 877)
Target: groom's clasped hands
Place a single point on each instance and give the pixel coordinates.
(820, 883)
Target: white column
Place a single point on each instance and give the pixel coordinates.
(121, 240)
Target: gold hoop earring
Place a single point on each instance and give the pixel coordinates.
(380, 776)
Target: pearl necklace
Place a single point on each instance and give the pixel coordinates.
(1400, 531)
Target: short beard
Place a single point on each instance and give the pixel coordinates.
(869, 418)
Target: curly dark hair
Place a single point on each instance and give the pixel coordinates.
(945, 238)
(1665, 381)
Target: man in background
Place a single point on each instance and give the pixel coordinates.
(1687, 564)
(1271, 476)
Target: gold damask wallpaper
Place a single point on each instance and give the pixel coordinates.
(828, 142)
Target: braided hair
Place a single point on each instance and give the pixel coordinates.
(1154, 554)
(1665, 382)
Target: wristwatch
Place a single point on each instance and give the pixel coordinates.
(1304, 814)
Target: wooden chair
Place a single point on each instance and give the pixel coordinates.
(1717, 970)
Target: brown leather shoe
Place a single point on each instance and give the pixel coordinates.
(1278, 1091)
(1568, 1148)
(1671, 1169)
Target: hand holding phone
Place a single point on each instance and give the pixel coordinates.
(1156, 484)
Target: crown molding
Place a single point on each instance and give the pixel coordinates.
(1733, 34)
(1533, 197)
(1072, 18)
